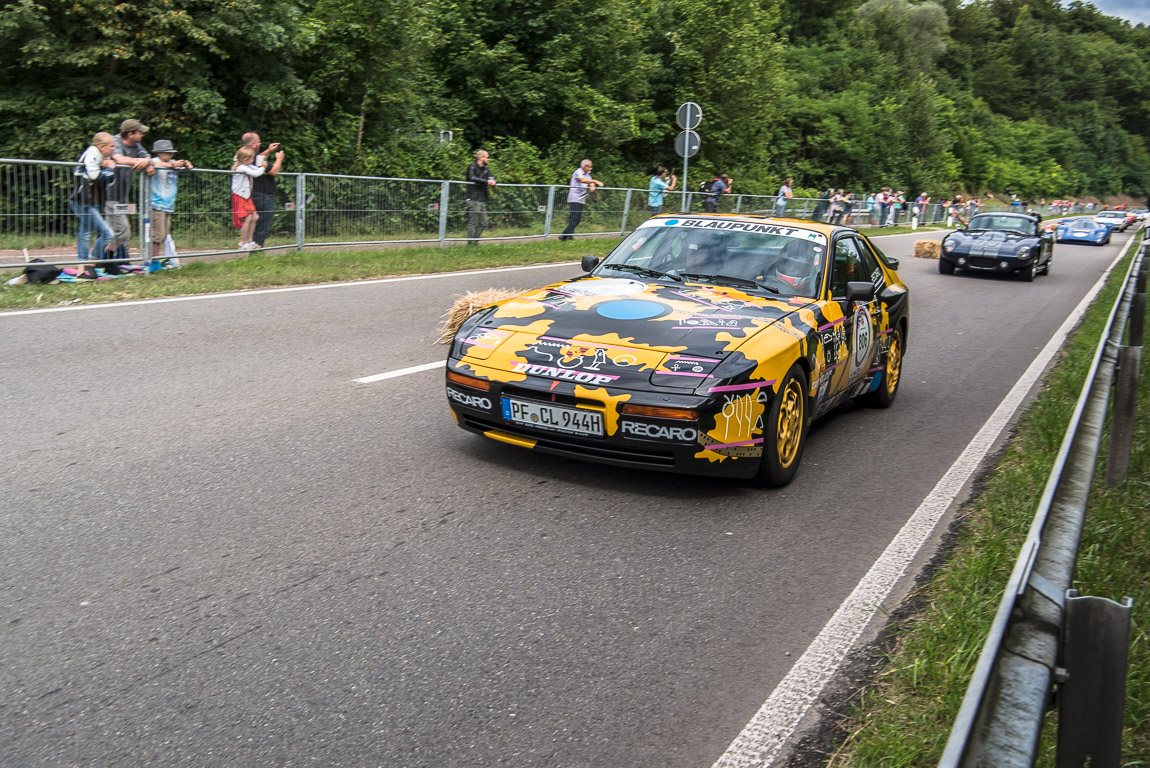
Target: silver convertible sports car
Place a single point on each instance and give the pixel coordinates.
(1006, 243)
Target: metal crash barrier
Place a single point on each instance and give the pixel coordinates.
(1048, 645)
(316, 210)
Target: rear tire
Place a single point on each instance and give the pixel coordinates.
(883, 396)
(785, 432)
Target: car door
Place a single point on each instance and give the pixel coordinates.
(858, 338)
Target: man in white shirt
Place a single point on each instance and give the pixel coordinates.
(581, 183)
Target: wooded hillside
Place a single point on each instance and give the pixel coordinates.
(939, 95)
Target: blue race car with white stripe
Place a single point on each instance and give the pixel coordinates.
(1083, 229)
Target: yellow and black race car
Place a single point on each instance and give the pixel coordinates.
(702, 344)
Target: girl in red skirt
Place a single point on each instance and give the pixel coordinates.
(244, 216)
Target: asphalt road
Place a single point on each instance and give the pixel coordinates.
(220, 550)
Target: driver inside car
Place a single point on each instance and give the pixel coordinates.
(798, 266)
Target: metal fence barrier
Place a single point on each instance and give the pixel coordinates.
(314, 210)
(1044, 633)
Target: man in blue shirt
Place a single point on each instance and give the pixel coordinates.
(657, 188)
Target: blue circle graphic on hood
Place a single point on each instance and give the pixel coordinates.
(631, 309)
(670, 222)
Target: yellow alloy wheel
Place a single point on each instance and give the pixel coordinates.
(790, 426)
(893, 362)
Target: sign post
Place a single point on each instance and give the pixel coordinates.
(687, 143)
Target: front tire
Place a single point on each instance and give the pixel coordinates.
(945, 267)
(1028, 274)
(786, 430)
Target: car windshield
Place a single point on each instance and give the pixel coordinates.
(782, 260)
(1111, 215)
(1022, 225)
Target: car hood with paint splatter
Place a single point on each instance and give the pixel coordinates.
(623, 332)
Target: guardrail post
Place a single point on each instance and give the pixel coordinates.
(300, 207)
(444, 198)
(626, 208)
(1125, 407)
(1090, 703)
(550, 212)
(738, 203)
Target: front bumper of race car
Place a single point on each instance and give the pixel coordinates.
(1002, 262)
(633, 427)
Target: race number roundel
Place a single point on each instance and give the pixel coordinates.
(863, 339)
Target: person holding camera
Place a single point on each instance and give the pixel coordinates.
(264, 187)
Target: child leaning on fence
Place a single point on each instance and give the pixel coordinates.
(244, 216)
(164, 188)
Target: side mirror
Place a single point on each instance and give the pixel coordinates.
(860, 291)
(892, 263)
(589, 262)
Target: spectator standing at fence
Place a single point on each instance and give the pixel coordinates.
(164, 187)
(872, 207)
(956, 210)
(479, 180)
(657, 188)
(264, 187)
(129, 150)
(919, 209)
(883, 199)
(837, 206)
(848, 208)
(581, 183)
(897, 204)
(784, 194)
(95, 171)
(718, 186)
(244, 216)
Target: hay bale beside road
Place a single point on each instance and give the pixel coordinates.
(926, 249)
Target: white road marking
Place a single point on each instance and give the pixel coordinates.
(761, 741)
(263, 291)
(401, 372)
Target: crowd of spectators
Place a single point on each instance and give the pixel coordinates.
(102, 195)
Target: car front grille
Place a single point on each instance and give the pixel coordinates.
(602, 451)
(983, 262)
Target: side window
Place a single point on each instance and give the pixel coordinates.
(846, 268)
(871, 270)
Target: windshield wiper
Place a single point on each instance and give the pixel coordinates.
(731, 280)
(644, 271)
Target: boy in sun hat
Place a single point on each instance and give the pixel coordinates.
(164, 187)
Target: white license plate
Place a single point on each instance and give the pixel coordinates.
(1080, 233)
(572, 421)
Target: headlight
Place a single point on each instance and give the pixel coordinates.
(1023, 251)
(949, 245)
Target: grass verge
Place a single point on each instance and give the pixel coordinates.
(904, 715)
(269, 269)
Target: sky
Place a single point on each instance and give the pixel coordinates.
(1134, 11)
